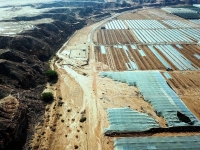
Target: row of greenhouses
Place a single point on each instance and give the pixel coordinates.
(158, 143)
(180, 61)
(156, 91)
(162, 36)
(116, 24)
(149, 24)
(178, 10)
(186, 13)
(197, 21)
(164, 62)
(194, 33)
(144, 24)
(178, 24)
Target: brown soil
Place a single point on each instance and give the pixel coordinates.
(188, 51)
(108, 37)
(167, 60)
(99, 37)
(187, 86)
(116, 58)
(152, 58)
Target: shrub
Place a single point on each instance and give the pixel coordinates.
(47, 96)
(83, 119)
(51, 74)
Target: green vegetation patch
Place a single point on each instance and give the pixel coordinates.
(47, 96)
(51, 74)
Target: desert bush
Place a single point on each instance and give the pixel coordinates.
(83, 119)
(52, 75)
(47, 96)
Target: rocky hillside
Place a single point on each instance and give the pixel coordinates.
(23, 62)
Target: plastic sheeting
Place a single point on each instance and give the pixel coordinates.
(197, 56)
(179, 10)
(159, 57)
(179, 46)
(116, 24)
(158, 143)
(141, 53)
(180, 61)
(156, 91)
(144, 24)
(197, 21)
(103, 50)
(149, 36)
(124, 120)
(167, 75)
(192, 32)
(133, 47)
(178, 24)
(133, 64)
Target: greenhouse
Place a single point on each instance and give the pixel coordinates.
(144, 24)
(116, 24)
(125, 120)
(159, 143)
(178, 24)
(187, 13)
(197, 21)
(180, 61)
(148, 36)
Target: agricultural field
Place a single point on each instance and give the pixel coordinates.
(159, 54)
(131, 42)
(148, 32)
(185, 83)
(187, 86)
(149, 57)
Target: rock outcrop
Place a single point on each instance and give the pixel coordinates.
(23, 63)
(13, 123)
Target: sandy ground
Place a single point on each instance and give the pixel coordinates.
(84, 93)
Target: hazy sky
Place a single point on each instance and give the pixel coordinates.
(21, 2)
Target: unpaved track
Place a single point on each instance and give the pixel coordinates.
(71, 128)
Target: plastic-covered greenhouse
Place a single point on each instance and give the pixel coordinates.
(155, 90)
(127, 120)
(158, 143)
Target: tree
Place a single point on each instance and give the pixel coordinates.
(47, 96)
(52, 75)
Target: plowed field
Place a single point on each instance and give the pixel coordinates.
(185, 83)
(120, 59)
(113, 37)
(188, 51)
(187, 86)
